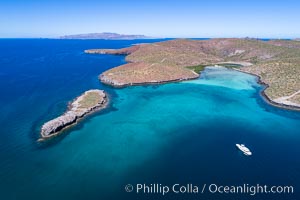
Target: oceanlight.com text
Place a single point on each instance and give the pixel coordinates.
(247, 189)
(250, 189)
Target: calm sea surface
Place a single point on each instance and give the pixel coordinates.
(181, 133)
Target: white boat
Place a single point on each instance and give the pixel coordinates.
(244, 149)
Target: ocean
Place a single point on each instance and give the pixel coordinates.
(154, 135)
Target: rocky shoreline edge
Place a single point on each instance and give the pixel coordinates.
(122, 51)
(114, 84)
(89, 102)
(265, 96)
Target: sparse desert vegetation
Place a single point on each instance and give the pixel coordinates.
(91, 99)
(277, 62)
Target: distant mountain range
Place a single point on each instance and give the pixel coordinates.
(105, 35)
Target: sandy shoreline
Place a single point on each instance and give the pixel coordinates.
(265, 96)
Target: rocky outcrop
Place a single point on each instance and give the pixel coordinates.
(87, 103)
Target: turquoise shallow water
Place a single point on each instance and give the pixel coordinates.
(173, 133)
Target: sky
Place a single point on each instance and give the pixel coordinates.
(157, 18)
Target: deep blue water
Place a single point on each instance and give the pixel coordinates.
(173, 133)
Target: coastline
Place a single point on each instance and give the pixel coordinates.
(60, 128)
(265, 96)
(259, 81)
(123, 51)
(149, 64)
(147, 83)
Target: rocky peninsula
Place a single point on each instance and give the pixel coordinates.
(87, 103)
(123, 51)
(275, 62)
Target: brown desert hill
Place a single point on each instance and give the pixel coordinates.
(277, 62)
(286, 43)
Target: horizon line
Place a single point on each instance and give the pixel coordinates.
(153, 38)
